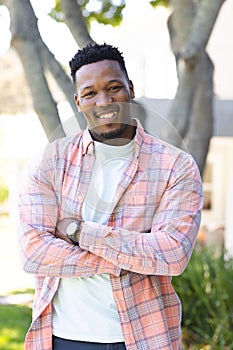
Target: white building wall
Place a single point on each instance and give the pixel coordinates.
(217, 220)
(229, 200)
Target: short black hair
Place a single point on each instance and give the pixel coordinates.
(95, 53)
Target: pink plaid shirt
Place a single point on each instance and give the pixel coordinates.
(149, 238)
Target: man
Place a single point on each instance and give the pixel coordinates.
(108, 216)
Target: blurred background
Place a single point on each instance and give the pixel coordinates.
(179, 56)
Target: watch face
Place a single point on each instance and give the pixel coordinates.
(72, 228)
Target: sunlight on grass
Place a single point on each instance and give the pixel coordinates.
(21, 291)
(14, 323)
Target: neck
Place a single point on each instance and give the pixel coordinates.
(116, 140)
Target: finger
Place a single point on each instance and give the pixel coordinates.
(59, 234)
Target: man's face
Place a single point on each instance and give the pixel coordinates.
(102, 94)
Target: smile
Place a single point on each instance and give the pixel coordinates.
(107, 115)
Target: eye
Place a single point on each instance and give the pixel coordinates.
(88, 94)
(115, 88)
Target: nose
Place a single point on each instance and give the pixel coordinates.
(103, 98)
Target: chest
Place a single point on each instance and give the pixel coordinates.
(135, 190)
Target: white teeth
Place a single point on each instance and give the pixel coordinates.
(107, 116)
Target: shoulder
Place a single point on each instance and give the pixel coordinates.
(64, 146)
(166, 156)
(157, 147)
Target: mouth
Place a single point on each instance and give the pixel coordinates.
(104, 115)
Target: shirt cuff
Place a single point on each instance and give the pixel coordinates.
(93, 238)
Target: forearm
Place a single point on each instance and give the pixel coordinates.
(158, 252)
(44, 254)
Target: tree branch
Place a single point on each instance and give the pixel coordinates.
(202, 26)
(73, 18)
(24, 38)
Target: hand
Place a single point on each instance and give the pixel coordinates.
(61, 229)
(59, 234)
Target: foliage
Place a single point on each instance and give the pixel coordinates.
(205, 290)
(102, 11)
(14, 323)
(156, 3)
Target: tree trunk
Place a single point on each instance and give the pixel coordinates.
(182, 15)
(73, 18)
(42, 99)
(63, 81)
(202, 26)
(58, 73)
(201, 122)
(24, 39)
(192, 111)
(179, 114)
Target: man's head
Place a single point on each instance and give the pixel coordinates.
(94, 53)
(103, 92)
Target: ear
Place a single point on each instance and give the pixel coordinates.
(131, 89)
(76, 99)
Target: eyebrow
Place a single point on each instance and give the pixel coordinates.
(87, 87)
(119, 81)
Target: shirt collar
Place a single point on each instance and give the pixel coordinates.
(88, 144)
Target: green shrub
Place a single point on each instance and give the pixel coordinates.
(206, 293)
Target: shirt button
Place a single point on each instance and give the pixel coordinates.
(80, 197)
(119, 257)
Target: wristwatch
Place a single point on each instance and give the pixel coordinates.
(72, 230)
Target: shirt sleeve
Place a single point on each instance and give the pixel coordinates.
(41, 253)
(167, 248)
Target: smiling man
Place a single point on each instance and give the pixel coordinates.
(102, 88)
(107, 217)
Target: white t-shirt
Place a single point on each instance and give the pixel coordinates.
(83, 307)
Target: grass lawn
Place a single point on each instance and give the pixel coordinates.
(14, 323)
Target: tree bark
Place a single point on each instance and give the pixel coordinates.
(63, 81)
(201, 122)
(44, 104)
(179, 114)
(24, 39)
(202, 26)
(192, 111)
(55, 68)
(182, 15)
(74, 20)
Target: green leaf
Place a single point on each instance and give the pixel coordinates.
(105, 12)
(205, 289)
(156, 3)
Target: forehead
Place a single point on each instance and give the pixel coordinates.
(106, 69)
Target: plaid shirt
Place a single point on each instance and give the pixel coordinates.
(149, 238)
